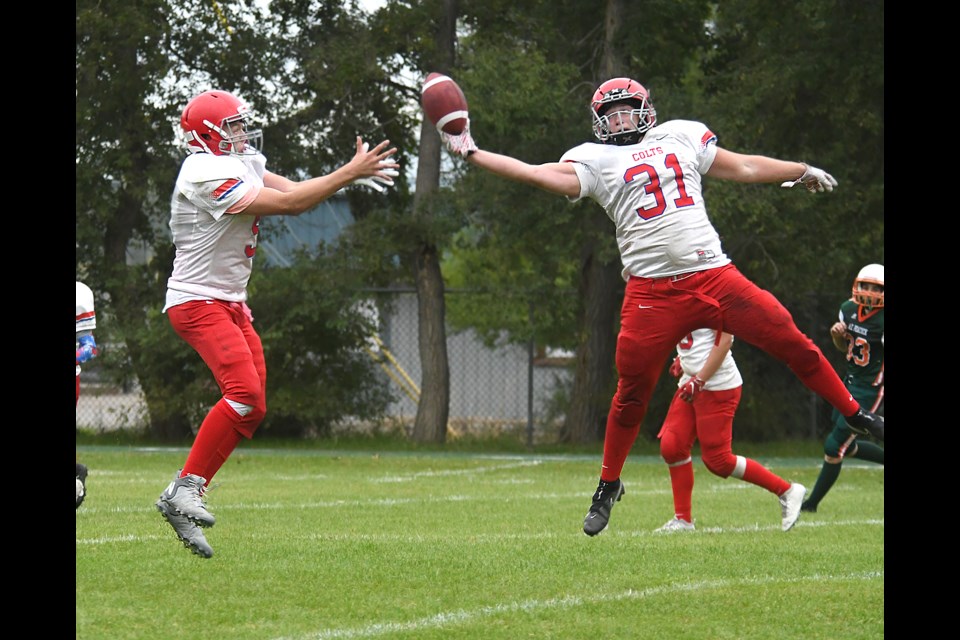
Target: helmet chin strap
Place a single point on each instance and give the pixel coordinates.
(625, 138)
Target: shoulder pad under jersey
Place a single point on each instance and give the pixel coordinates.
(84, 298)
(691, 129)
(206, 167)
(586, 152)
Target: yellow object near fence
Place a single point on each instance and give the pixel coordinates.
(392, 368)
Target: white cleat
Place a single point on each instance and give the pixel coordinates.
(790, 503)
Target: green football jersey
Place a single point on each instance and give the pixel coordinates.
(864, 344)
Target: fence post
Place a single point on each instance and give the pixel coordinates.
(530, 352)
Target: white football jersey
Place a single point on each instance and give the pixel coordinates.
(86, 316)
(652, 192)
(215, 242)
(693, 351)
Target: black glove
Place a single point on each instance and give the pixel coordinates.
(864, 423)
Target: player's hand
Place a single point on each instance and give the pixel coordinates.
(676, 370)
(691, 388)
(375, 182)
(838, 330)
(460, 145)
(838, 334)
(87, 350)
(814, 180)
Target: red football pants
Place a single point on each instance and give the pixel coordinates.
(658, 312)
(221, 332)
(709, 419)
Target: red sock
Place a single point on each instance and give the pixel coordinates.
(215, 441)
(681, 481)
(757, 474)
(616, 446)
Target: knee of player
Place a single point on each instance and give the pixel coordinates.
(671, 451)
(719, 463)
(252, 412)
(831, 449)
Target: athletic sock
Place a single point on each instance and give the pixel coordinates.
(756, 473)
(215, 441)
(681, 482)
(829, 473)
(869, 451)
(616, 446)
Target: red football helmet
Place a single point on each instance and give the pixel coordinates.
(622, 90)
(872, 273)
(218, 122)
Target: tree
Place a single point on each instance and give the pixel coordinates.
(322, 72)
(570, 246)
(811, 89)
(751, 77)
(137, 65)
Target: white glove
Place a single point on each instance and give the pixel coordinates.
(461, 144)
(373, 181)
(814, 180)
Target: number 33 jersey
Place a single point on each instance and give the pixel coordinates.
(864, 343)
(652, 192)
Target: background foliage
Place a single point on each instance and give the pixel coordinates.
(792, 81)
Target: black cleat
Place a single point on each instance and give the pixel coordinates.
(598, 516)
(809, 508)
(865, 423)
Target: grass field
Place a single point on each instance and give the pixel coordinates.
(352, 544)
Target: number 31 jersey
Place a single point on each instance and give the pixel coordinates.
(652, 192)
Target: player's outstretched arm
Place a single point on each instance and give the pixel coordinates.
(556, 177)
(729, 165)
(282, 196)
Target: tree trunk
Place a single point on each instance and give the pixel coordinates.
(433, 410)
(593, 381)
(600, 289)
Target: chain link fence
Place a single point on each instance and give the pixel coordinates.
(516, 388)
(509, 387)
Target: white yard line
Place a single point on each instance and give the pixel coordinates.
(566, 602)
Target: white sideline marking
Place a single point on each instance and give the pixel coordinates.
(112, 539)
(529, 606)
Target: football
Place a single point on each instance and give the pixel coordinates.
(444, 103)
